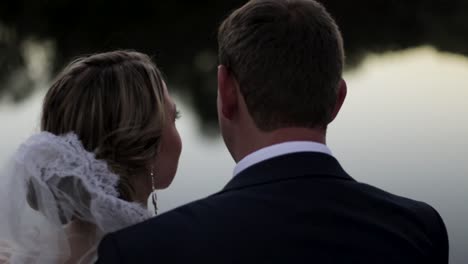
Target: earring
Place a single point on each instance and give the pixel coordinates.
(153, 194)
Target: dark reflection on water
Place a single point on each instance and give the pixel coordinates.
(182, 35)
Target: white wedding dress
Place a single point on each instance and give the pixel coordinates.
(57, 199)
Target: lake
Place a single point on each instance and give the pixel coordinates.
(403, 128)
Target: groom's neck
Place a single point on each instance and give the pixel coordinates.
(257, 140)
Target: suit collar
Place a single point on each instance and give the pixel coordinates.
(289, 166)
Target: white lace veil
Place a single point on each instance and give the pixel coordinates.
(51, 184)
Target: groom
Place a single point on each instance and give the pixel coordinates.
(289, 201)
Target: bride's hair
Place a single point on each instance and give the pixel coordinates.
(114, 103)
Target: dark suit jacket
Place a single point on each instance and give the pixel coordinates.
(296, 208)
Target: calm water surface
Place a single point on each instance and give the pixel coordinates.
(403, 128)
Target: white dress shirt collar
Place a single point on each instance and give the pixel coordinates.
(278, 150)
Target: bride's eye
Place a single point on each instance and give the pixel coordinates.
(177, 114)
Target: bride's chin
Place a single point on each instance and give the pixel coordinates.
(165, 179)
(164, 184)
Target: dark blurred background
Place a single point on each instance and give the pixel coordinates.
(403, 127)
(181, 35)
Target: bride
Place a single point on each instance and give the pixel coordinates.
(108, 141)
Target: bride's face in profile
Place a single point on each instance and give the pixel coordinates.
(165, 165)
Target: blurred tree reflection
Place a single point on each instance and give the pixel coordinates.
(181, 35)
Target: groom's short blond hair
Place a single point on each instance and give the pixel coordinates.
(287, 56)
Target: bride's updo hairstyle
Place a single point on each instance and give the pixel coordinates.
(114, 103)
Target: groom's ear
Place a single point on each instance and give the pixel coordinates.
(341, 95)
(227, 92)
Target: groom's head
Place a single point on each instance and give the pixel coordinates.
(283, 61)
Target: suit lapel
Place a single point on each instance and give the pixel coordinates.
(289, 166)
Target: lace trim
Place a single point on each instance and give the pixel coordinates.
(46, 157)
